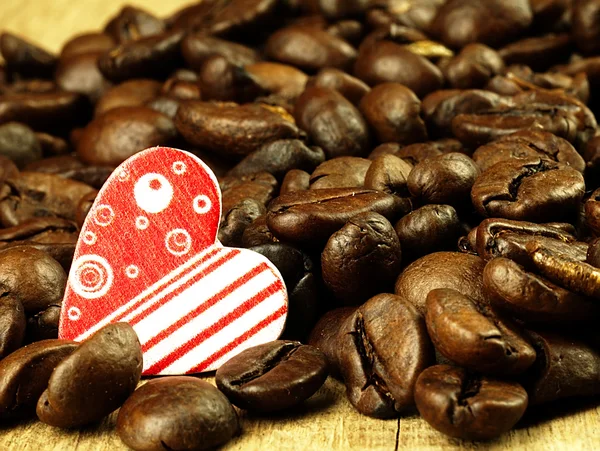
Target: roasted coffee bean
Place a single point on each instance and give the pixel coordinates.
(216, 127)
(19, 143)
(52, 145)
(149, 57)
(12, 325)
(332, 122)
(197, 47)
(261, 187)
(309, 49)
(350, 87)
(80, 74)
(393, 111)
(585, 25)
(25, 58)
(218, 79)
(417, 15)
(94, 380)
(279, 157)
(473, 67)
(386, 61)
(273, 376)
(592, 212)
(568, 366)
(24, 375)
(87, 43)
(34, 194)
(539, 53)
(257, 233)
(361, 259)
(179, 412)
(383, 348)
(326, 336)
(340, 172)
(533, 298)
(530, 189)
(279, 79)
(235, 221)
(130, 93)
(460, 272)
(312, 216)
(295, 180)
(468, 406)
(475, 337)
(460, 22)
(389, 174)
(428, 229)
(132, 23)
(446, 179)
(121, 132)
(529, 143)
(70, 167)
(593, 254)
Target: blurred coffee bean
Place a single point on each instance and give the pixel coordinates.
(94, 380)
(68, 166)
(466, 405)
(19, 143)
(539, 53)
(218, 79)
(83, 207)
(586, 25)
(216, 126)
(493, 22)
(445, 179)
(130, 93)
(236, 219)
(340, 172)
(428, 229)
(332, 122)
(80, 74)
(386, 61)
(592, 212)
(295, 180)
(309, 49)
(593, 254)
(87, 43)
(383, 348)
(278, 158)
(24, 375)
(393, 111)
(52, 145)
(148, 57)
(121, 132)
(132, 23)
(273, 376)
(454, 270)
(389, 174)
(179, 412)
(279, 79)
(25, 58)
(350, 87)
(197, 47)
(12, 325)
(473, 67)
(361, 259)
(417, 15)
(311, 217)
(530, 189)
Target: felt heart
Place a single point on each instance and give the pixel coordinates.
(148, 255)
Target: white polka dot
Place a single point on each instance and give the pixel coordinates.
(104, 215)
(123, 175)
(153, 192)
(132, 271)
(202, 204)
(142, 223)
(74, 313)
(179, 167)
(89, 238)
(92, 276)
(178, 242)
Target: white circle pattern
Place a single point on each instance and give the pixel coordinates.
(178, 242)
(202, 204)
(92, 276)
(104, 215)
(89, 238)
(153, 192)
(132, 271)
(141, 223)
(179, 167)
(74, 313)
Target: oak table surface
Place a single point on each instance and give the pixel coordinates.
(324, 422)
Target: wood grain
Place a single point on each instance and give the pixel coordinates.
(326, 421)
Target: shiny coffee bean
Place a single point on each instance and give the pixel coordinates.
(383, 347)
(592, 212)
(218, 79)
(80, 74)
(25, 58)
(473, 67)
(295, 180)
(178, 412)
(94, 380)
(197, 47)
(12, 325)
(538, 52)
(132, 23)
(25, 373)
(350, 87)
(273, 376)
(134, 92)
(593, 254)
(468, 406)
(260, 187)
(326, 336)
(257, 233)
(340, 172)
(279, 79)
(91, 42)
(389, 174)
(235, 221)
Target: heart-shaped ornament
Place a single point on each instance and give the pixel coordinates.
(148, 255)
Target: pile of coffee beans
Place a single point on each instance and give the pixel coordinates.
(424, 174)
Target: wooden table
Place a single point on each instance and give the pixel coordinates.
(326, 421)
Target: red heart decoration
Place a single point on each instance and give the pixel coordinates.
(148, 255)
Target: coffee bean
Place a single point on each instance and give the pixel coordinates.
(280, 79)
(52, 145)
(340, 172)
(129, 93)
(179, 412)
(389, 174)
(383, 348)
(295, 180)
(257, 233)
(132, 23)
(593, 254)
(473, 67)
(80, 74)
(12, 325)
(94, 380)
(468, 406)
(25, 58)
(235, 221)
(350, 87)
(68, 166)
(460, 272)
(197, 47)
(19, 143)
(585, 25)
(24, 375)
(87, 43)
(261, 187)
(592, 212)
(218, 79)
(539, 53)
(332, 122)
(312, 216)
